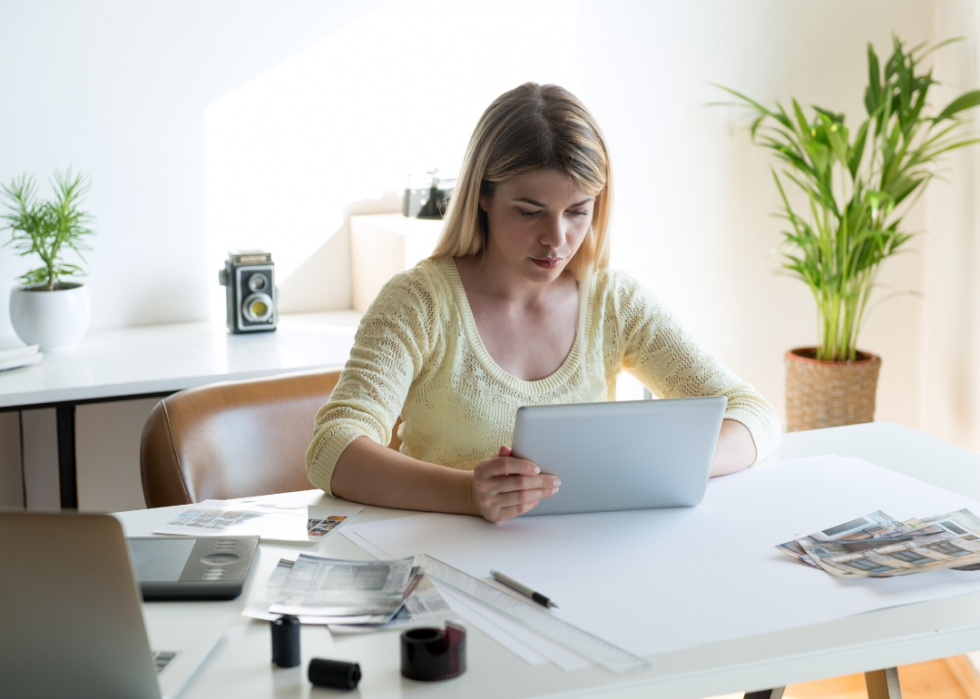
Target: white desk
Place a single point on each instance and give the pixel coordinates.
(161, 359)
(240, 666)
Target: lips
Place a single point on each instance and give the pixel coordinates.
(547, 263)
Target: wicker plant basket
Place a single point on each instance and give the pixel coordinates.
(829, 394)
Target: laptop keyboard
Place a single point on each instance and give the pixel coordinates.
(162, 658)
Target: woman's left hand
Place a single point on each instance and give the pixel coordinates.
(505, 486)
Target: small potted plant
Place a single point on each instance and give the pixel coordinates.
(45, 309)
(856, 185)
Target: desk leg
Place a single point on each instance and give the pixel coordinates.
(883, 684)
(66, 456)
(776, 693)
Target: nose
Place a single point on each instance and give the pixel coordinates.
(554, 232)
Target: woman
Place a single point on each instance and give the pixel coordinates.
(515, 307)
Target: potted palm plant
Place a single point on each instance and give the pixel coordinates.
(855, 185)
(47, 308)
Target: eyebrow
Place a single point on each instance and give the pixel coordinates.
(530, 201)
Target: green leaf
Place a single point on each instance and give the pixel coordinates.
(837, 143)
(755, 105)
(46, 228)
(872, 95)
(857, 150)
(967, 100)
(801, 120)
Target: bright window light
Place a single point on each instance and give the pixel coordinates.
(346, 120)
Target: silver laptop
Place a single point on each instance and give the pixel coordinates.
(71, 622)
(630, 455)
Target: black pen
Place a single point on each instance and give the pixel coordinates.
(514, 585)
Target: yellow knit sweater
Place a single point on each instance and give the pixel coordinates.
(417, 353)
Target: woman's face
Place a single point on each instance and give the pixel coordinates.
(536, 222)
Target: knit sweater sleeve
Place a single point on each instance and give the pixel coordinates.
(389, 351)
(660, 353)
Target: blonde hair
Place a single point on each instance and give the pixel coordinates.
(532, 127)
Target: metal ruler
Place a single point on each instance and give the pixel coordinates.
(537, 619)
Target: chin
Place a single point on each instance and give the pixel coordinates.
(544, 276)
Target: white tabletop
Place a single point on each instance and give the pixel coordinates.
(155, 359)
(240, 665)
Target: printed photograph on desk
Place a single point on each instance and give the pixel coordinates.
(424, 606)
(333, 591)
(271, 521)
(878, 546)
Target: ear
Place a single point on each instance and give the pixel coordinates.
(484, 202)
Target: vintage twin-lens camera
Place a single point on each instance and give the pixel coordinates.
(250, 291)
(427, 196)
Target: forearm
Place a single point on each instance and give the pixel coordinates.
(369, 473)
(735, 449)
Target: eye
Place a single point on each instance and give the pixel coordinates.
(581, 212)
(524, 213)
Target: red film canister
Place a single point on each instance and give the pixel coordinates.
(430, 654)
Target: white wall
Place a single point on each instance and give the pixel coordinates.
(949, 376)
(337, 128)
(118, 89)
(692, 214)
(156, 100)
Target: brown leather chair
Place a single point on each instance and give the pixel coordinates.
(232, 439)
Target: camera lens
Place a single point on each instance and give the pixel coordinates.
(257, 282)
(257, 308)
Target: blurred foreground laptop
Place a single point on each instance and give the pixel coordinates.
(71, 623)
(628, 455)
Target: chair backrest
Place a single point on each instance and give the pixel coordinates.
(232, 439)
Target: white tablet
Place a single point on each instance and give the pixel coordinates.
(630, 455)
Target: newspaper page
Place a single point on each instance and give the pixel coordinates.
(270, 521)
(331, 587)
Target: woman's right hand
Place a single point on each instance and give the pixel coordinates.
(505, 486)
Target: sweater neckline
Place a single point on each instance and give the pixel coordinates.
(561, 375)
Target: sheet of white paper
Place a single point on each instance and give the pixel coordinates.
(660, 580)
(18, 353)
(270, 521)
(365, 544)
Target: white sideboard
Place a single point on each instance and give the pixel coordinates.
(90, 403)
(383, 245)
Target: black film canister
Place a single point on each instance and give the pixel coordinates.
(334, 673)
(285, 641)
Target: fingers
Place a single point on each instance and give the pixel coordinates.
(505, 486)
(508, 512)
(508, 496)
(541, 486)
(504, 465)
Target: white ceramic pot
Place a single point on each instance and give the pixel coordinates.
(55, 320)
